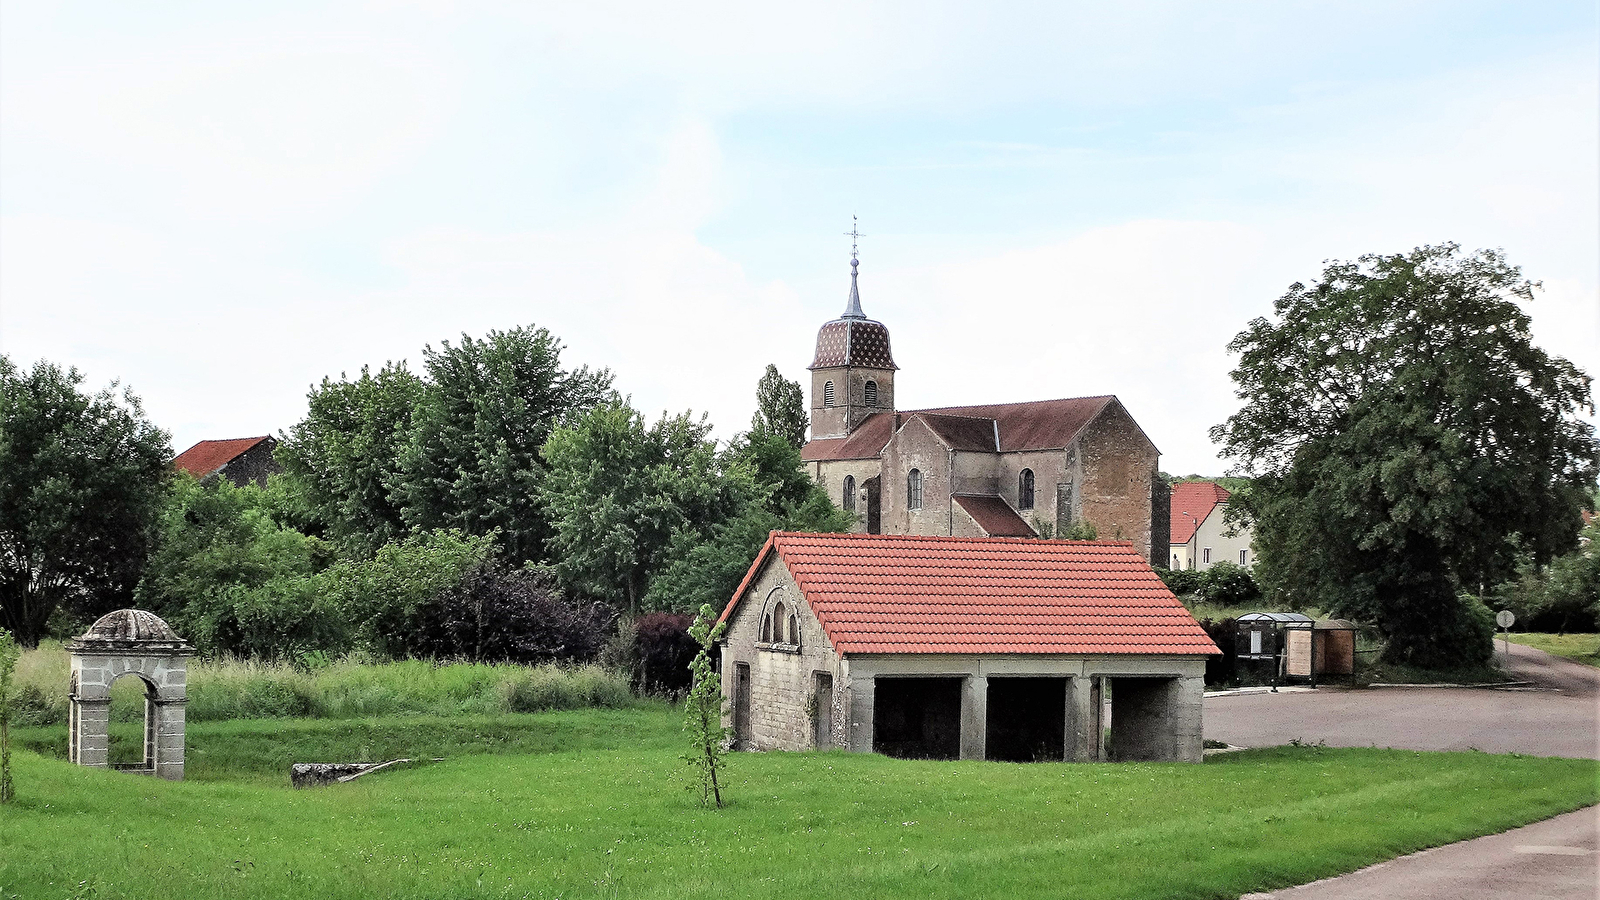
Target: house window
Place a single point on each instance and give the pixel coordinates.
(1025, 489)
(871, 392)
(1205, 556)
(1241, 557)
(1175, 563)
(849, 499)
(827, 393)
(914, 489)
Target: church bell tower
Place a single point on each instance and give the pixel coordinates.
(852, 373)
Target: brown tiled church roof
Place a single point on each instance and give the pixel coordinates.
(1040, 425)
(994, 516)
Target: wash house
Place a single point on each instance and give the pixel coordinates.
(962, 648)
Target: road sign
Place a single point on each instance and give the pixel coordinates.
(1505, 618)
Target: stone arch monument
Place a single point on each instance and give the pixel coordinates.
(129, 642)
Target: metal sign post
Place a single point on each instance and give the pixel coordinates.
(1505, 618)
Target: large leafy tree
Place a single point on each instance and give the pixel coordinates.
(343, 457)
(780, 408)
(618, 490)
(1403, 428)
(473, 461)
(82, 477)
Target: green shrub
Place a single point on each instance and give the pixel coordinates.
(1181, 581)
(1228, 585)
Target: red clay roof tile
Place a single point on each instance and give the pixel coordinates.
(1192, 501)
(208, 456)
(902, 594)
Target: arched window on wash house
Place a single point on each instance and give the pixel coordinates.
(848, 500)
(779, 619)
(914, 489)
(1025, 489)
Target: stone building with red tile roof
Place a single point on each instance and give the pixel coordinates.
(1201, 534)
(974, 648)
(1003, 469)
(240, 460)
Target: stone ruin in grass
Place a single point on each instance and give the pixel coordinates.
(122, 643)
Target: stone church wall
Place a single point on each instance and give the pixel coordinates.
(782, 681)
(915, 446)
(830, 476)
(1119, 471)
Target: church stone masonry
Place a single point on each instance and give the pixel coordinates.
(996, 470)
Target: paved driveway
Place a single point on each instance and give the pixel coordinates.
(1557, 859)
(1558, 717)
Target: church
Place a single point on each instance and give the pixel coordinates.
(1030, 469)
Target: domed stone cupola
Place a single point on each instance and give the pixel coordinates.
(852, 372)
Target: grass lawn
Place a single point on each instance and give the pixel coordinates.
(589, 804)
(1584, 648)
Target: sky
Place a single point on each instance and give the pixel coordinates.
(220, 204)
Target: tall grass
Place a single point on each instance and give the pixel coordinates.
(247, 689)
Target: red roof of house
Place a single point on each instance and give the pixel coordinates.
(1192, 501)
(994, 515)
(1039, 425)
(877, 593)
(208, 456)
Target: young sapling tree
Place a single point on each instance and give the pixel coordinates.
(704, 710)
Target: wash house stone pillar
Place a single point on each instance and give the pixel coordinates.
(137, 644)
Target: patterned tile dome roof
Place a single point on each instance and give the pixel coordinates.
(853, 342)
(853, 339)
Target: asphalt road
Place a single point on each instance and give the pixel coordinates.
(1560, 716)
(1557, 859)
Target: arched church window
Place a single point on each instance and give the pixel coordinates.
(914, 489)
(827, 393)
(871, 392)
(1025, 489)
(849, 499)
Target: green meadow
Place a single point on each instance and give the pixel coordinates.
(591, 803)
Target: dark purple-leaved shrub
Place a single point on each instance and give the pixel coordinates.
(665, 650)
(500, 614)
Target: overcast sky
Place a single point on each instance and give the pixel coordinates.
(219, 204)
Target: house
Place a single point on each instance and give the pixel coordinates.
(952, 647)
(239, 460)
(1201, 534)
(994, 470)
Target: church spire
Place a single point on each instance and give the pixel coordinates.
(852, 310)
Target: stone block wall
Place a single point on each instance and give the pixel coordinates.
(1119, 471)
(782, 676)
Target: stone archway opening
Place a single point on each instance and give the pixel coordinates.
(132, 702)
(122, 643)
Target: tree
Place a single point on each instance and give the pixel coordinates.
(82, 478)
(231, 579)
(473, 461)
(780, 409)
(1402, 426)
(344, 456)
(775, 494)
(618, 491)
(703, 712)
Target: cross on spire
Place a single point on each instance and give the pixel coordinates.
(852, 309)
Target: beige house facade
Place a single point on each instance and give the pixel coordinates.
(1201, 533)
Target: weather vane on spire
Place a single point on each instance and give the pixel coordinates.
(855, 235)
